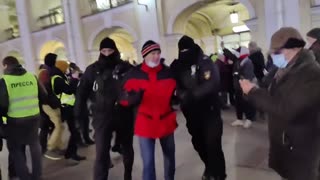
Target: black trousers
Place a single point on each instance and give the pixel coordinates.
(124, 131)
(68, 116)
(85, 123)
(243, 107)
(46, 127)
(206, 129)
(18, 158)
(11, 170)
(103, 133)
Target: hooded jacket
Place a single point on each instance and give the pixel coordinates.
(22, 130)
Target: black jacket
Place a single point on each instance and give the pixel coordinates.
(257, 59)
(110, 76)
(201, 82)
(293, 105)
(20, 130)
(61, 84)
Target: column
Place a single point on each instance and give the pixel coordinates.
(273, 17)
(76, 46)
(292, 13)
(209, 43)
(23, 8)
(171, 47)
(148, 21)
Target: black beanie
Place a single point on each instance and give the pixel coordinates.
(148, 47)
(50, 59)
(186, 42)
(108, 43)
(314, 33)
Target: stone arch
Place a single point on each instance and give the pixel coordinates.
(124, 41)
(121, 24)
(180, 9)
(52, 46)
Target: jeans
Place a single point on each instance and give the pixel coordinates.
(147, 147)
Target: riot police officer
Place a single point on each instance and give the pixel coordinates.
(197, 88)
(101, 82)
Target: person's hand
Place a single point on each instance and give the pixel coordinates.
(75, 74)
(230, 62)
(246, 86)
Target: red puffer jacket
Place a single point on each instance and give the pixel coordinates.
(155, 117)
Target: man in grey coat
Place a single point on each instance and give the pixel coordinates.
(293, 106)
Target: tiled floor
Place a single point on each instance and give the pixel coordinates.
(245, 151)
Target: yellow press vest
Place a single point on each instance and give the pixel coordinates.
(23, 95)
(64, 98)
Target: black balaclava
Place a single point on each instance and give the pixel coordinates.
(112, 58)
(191, 55)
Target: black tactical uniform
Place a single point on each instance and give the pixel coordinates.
(197, 88)
(102, 83)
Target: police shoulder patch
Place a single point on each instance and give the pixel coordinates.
(207, 75)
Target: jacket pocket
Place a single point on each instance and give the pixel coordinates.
(165, 115)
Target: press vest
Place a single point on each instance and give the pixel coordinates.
(23, 95)
(64, 98)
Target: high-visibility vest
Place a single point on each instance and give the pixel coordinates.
(68, 99)
(23, 95)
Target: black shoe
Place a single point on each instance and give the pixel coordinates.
(76, 157)
(117, 148)
(89, 141)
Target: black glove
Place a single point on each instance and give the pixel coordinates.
(132, 97)
(135, 97)
(185, 97)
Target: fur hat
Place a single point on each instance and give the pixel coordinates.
(286, 37)
(314, 33)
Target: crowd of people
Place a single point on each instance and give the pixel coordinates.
(124, 100)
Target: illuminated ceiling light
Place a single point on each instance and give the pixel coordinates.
(242, 28)
(144, 3)
(234, 17)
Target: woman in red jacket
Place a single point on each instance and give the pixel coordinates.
(150, 88)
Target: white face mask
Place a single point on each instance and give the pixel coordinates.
(151, 64)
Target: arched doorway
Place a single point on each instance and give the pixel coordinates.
(53, 46)
(124, 41)
(213, 22)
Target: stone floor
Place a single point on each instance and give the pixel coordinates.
(245, 151)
